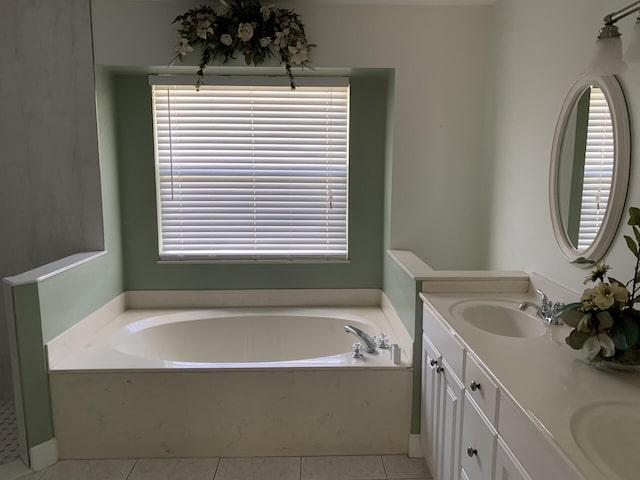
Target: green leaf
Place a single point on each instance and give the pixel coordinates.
(572, 317)
(632, 245)
(619, 339)
(634, 216)
(576, 339)
(631, 330)
(605, 321)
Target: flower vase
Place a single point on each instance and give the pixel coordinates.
(627, 360)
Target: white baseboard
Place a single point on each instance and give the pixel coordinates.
(43, 455)
(415, 446)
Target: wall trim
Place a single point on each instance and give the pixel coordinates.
(415, 446)
(44, 455)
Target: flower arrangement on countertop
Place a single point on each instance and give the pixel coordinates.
(257, 32)
(606, 326)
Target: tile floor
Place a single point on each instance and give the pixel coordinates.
(374, 467)
(8, 433)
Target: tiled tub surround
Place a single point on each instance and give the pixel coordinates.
(9, 451)
(110, 401)
(541, 384)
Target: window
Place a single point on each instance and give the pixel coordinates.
(252, 172)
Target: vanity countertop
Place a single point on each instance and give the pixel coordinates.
(547, 379)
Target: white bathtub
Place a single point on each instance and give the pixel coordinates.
(229, 382)
(231, 338)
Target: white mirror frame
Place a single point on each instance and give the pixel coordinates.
(620, 182)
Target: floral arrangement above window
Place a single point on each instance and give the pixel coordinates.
(606, 326)
(257, 32)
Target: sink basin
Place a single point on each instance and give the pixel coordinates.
(499, 317)
(607, 433)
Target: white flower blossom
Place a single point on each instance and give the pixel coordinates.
(221, 10)
(265, 41)
(204, 27)
(182, 46)
(281, 38)
(226, 39)
(299, 53)
(266, 13)
(245, 31)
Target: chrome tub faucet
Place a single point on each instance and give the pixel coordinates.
(370, 343)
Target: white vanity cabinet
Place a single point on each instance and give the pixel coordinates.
(507, 466)
(460, 404)
(442, 400)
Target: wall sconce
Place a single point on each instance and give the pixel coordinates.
(607, 59)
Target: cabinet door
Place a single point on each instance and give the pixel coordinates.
(450, 424)
(430, 403)
(507, 466)
(478, 442)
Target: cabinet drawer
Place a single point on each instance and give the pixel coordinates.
(478, 442)
(481, 388)
(535, 453)
(444, 339)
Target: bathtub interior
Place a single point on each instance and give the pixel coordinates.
(238, 337)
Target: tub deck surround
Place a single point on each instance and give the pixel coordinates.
(543, 380)
(160, 382)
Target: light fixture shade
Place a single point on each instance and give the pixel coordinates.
(607, 59)
(632, 54)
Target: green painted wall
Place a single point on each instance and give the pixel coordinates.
(33, 372)
(368, 134)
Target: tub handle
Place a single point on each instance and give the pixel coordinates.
(382, 341)
(355, 350)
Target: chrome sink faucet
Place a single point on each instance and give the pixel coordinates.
(370, 343)
(550, 312)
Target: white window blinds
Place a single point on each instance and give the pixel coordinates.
(252, 172)
(598, 169)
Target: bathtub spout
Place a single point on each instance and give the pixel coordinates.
(370, 344)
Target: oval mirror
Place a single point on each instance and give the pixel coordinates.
(589, 168)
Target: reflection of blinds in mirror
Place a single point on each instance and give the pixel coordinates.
(598, 169)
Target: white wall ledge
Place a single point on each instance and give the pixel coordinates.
(52, 269)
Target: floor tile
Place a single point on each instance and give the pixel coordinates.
(33, 476)
(259, 468)
(174, 469)
(89, 469)
(342, 468)
(401, 466)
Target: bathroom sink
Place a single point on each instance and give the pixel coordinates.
(607, 433)
(499, 317)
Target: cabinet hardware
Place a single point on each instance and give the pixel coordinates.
(471, 451)
(475, 386)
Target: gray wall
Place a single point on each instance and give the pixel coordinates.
(367, 136)
(49, 186)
